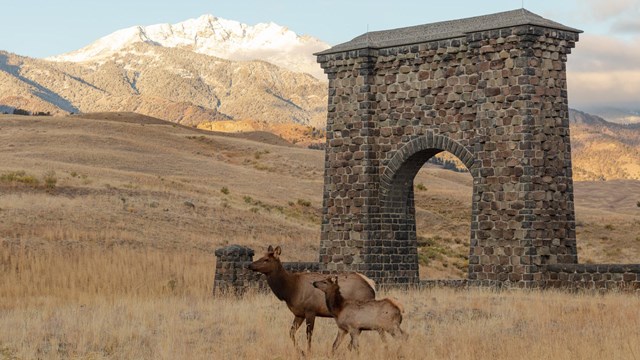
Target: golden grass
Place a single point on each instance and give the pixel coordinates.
(106, 313)
(76, 272)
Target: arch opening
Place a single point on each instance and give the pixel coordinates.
(443, 190)
(427, 210)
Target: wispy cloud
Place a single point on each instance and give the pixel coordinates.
(604, 70)
(627, 26)
(600, 53)
(606, 10)
(618, 88)
(620, 16)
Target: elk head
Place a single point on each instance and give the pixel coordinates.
(330, 283)
(269, 262)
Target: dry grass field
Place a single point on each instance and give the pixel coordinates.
(441, 323)
(108, 225)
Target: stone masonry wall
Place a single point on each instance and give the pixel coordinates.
(497, 100)
(233, 276)
(593, 276)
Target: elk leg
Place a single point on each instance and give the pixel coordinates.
(297, 321)
(404, 334)
(383, 335)
(338, 341)
(394, 332)
(311, 319)
(354, 340)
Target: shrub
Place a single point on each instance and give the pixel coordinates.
(421, 187)
(608, 227)
(224, 190)
(21, 112)
(19, 177)
(303, 202)
(50, 179)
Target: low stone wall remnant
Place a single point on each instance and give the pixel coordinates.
(233, 276)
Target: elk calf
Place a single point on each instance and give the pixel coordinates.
(353, 316)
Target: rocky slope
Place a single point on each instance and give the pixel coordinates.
(169, 83)
(602, 150)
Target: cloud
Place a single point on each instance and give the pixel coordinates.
(605, 10)
(604, 89)
(599, 53)
(620, 16)
(629, 26)
(603, 70)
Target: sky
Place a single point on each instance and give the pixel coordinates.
(604, 67)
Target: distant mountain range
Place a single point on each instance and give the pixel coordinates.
(619, 115)
(200, 70)
(217, 37)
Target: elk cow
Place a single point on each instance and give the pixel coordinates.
(303, 299)
(353, 316)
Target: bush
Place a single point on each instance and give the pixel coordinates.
(421, 187)
(19, 177)
(224, 190)
(303, 202)
(21, 112)
(50, 179)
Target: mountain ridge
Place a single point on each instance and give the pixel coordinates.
(214, 36)
(169, 83)
(603, 150)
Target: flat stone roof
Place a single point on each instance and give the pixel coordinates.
(445, 30)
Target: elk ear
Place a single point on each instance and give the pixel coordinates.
(278, 251)
(270, 249)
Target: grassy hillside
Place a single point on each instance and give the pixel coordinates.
(126, 180)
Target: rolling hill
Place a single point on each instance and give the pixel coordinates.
(118, 179)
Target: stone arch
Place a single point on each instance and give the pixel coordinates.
(492, 91)
(396, 180)
(428, 143)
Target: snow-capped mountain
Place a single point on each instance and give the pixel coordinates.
(213, 36)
